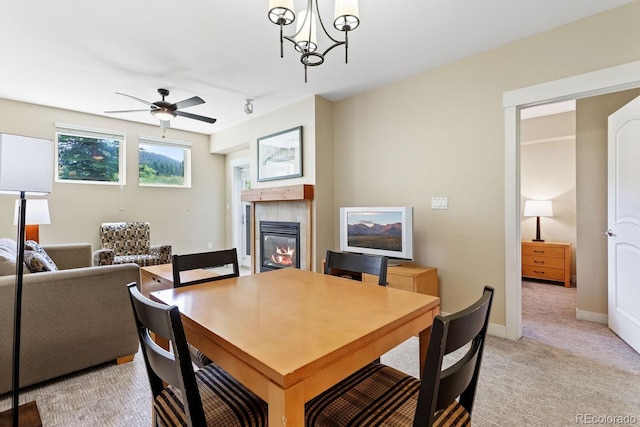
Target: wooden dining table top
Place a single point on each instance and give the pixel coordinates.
(290, 325)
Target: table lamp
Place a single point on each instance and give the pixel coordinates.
(26, 167)
(37, 213)
(538, 208)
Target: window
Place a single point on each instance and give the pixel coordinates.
(89, 155)
(163, 162)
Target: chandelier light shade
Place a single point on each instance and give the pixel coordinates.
(538, 208)
(305, 39)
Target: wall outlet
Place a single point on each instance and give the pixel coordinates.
(439, 203)
(210, 245)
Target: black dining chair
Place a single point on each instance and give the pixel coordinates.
(353, 265)
(207, 397)
(442, 397)
(211, 259)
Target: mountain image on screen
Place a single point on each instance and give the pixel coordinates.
(377, 236)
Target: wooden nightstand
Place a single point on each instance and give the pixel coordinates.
(547, 261)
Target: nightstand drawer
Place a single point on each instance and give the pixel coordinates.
(543, 272)
(536, 261)
(540, 251)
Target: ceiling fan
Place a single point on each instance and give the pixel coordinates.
(165, 111)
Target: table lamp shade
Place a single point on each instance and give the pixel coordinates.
(538, 208)
(26, 164)
(37, 212)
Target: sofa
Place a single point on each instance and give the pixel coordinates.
(125, 242)
(74, 318)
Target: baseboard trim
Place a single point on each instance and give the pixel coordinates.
(592, 317)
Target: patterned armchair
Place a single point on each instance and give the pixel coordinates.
(129, 242)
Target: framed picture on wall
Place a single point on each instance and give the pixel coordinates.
(280, 155)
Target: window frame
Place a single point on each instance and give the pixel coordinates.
(86, 132)
(172, 143)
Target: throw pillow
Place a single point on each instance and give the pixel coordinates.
(31, 245)
(35, 262)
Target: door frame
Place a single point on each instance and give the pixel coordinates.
(600, 82)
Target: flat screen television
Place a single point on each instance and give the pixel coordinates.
(384, 231)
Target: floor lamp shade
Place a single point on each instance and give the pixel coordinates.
(26, 167)
(26, 164)
(538, 208)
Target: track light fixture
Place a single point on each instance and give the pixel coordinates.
(248, 106)
(304, 39)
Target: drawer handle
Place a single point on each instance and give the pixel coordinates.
(538, 272)
(538, 252)
(538, 262)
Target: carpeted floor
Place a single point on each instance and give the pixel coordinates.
(561, 373)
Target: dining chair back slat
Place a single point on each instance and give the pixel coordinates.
(353, 265)
(205, 260)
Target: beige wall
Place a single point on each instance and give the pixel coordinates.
(186, 218)
(441, 133)
(591, 152)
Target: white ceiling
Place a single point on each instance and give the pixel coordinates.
(76, 54)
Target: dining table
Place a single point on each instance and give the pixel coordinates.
(290, 334)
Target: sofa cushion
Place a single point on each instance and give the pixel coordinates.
(36, 262)
(7, 263)
(31, 245)
(8, 253)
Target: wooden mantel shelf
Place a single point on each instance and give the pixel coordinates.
(278, 194)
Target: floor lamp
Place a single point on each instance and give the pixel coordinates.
(26, 168)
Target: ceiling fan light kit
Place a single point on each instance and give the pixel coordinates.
(305, 38)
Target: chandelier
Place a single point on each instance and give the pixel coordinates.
(305, 39)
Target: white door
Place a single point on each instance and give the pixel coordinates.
(240, 212)
(624, 223)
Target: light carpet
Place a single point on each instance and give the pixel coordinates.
(563, 372)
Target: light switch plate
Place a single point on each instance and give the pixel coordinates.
(439, 203)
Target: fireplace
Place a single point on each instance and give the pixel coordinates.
(279, 245)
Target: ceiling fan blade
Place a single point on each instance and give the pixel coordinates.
(195, 117)
(196, 100)
(126, 111)
(137, 99)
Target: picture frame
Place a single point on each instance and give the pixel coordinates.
(280, 155)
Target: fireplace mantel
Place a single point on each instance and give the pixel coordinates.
(276, 204)
(279, 194)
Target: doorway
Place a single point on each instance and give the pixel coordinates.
(600, 82)
(241, 211)
(548, 179)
